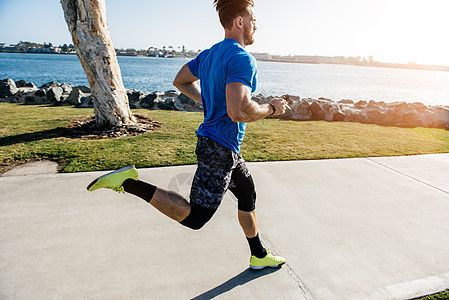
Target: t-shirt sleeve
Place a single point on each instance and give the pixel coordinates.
(242, 68)
(195, 63)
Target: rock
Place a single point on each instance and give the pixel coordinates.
(329, 107)
(75, 96)
(29, 100)
(168, 104)
(50, 84)
(259, 98)
(373, 104)
(172, 93)
(353, 115)
(24, 92)
(185, 103)
(417, 106)
(23, 83)
(398, 106)
(346, 101)
(361, 104)
(40, 93)
(375, 115)
(302, 111)
(134, 95)
(411, 118)
(148, 101)
(54, 94)
(8, 88)
(439, 116)
(318, 113)
(87, 101)
(84, 89)
(337, 115)
(291, 98)
(66, 88)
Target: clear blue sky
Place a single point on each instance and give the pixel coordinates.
(389, 30)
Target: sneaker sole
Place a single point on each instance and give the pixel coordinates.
(261, 267)
(114, 172)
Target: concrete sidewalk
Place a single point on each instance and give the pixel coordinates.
(373, 228)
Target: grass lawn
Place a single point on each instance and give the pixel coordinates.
(30, 132)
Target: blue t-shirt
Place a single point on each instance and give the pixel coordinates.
(223, 63)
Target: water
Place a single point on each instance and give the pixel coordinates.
(305, 80)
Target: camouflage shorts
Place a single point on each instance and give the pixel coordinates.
(213, 177)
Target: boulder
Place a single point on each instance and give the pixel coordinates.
(172, 93)
(373, 104)
(168, 104)
(87, 101)
(438, 116)
(29, 100)
(398, 106)
(329, 108)
(318, 113)
(259, 98)
(134, 95)
(54, 94)
(84, 89)
(75, 96)
(346, 101)
(417, 106)
(302, 111)
(24, 92)
(23, 83)
(411, 118)
(361, 104)
(185, 103)
(40, 93)
(290, 98)
(374, 115)
(8, 88)
(337, 115)
(148, 101)
(66, 88)
(50, 84)
(353, 114)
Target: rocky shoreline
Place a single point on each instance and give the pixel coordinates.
(307, 109)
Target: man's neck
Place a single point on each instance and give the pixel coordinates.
(232, 35)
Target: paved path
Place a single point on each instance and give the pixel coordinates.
(374, 228)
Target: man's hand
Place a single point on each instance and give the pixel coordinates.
(280, 106)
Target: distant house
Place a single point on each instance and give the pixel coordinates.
(262, 56)
(45, 50)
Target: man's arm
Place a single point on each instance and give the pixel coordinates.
(242, 109)
(187, 83)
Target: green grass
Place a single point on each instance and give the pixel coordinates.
(28, 132)
(439, 296)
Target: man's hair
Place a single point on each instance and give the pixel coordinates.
(228, 10)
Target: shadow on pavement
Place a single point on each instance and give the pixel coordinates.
(240, 279)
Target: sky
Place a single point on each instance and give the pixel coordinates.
(389, 30)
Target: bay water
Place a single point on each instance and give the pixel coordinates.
(336, 82)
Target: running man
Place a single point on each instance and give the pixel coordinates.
(228, 76)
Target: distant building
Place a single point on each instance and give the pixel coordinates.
(45, 50)
(262, 56)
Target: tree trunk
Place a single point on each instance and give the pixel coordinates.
(87, 24)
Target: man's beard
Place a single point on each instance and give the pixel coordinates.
(249, 37)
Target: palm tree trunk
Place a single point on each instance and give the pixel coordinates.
(87, 24)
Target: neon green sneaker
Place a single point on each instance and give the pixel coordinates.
(114, 180)
(268, 261)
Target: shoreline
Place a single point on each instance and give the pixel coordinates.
(421, 67)
(404, 114)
